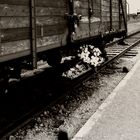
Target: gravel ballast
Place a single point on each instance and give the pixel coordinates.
(77, 107)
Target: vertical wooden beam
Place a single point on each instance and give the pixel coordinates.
(0, 40)
(110, 15)
(101, 16)
(89, 15)
(33, 33)
(71, 7)
(119, 15)
(70, 21)
(123, 13)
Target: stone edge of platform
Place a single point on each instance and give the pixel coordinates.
(97, 115)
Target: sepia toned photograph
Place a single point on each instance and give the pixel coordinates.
(69, 70)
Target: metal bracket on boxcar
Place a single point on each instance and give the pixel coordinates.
(73, 21)
(90, 12)
(42, 31)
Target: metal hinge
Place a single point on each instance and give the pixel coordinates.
(73, 20)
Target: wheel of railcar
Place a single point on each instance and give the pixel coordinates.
(54, 58)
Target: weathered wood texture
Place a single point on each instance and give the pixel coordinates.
(81, 8)
(125, 10)
(105, 15)
(95, 18)
(87, 26)
(41, 3)
(15, 31)
(23, 45)
(115, 15)
(100, 18)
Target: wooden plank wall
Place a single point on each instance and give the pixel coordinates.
(115, 15)
(96, 18)
(15, 24)
(88, 28)
(81, 8)
(105, 6)
(51, 24)
(125, 10)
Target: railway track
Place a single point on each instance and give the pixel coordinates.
(113, 51)
(116, 51)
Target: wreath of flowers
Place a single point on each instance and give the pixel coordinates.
(90, 55)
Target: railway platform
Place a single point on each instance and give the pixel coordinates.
(118, 118)
(133, 27)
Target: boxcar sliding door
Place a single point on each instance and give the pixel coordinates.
(90, 21)
(95, 17)
(51, 24)
(82, 28)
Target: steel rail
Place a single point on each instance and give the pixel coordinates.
(119, 55)
(121, 39)
(86, 76)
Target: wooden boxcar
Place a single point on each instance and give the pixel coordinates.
(31, 30)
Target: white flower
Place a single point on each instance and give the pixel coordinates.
(77, 66)
(72, 69)
(69, 73)
(86, 50)
(91, 47)
(95, 53)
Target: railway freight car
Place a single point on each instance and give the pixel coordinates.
(31, 30)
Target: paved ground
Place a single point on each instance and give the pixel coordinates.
(118, 118)
(132, 27)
